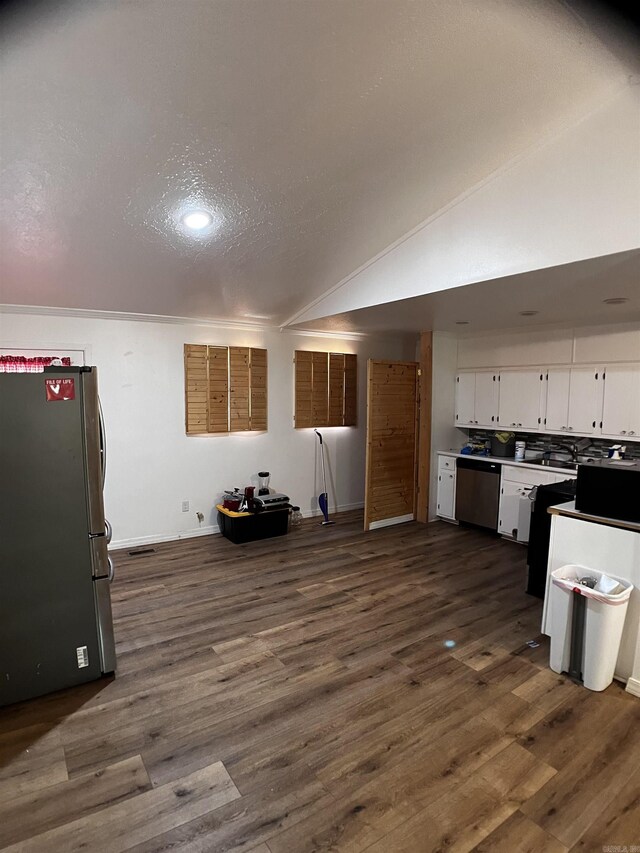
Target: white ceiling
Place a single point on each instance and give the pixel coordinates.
(571, 294)
(317, 131)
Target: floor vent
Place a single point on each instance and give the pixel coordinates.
(139, 552)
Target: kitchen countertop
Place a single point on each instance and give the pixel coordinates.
(569, 509)
(509, 460)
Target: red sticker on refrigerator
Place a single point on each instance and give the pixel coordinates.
(60, 389)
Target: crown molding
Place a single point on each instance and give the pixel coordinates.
(210, 322)
(338, 336)
(97, 314)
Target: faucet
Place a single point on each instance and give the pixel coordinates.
(570, 448)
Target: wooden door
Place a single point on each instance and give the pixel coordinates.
(392, 432)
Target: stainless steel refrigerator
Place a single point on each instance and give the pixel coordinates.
(56, 628)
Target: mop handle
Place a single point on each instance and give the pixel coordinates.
(324, 476)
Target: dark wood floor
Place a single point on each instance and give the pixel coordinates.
(299, 694)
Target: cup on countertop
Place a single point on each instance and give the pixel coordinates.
(521, 446)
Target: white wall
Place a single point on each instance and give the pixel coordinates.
(153, 466)
(517, 348)
(574, 198)
(444, 436)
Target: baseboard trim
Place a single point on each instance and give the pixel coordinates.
(388, 522)
(157, 538)
(633, 686)
(315, 513)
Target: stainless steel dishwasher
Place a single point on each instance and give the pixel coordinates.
(477, 492)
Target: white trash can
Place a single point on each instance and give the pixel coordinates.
(604, 615)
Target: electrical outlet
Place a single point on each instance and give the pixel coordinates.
(185, 506)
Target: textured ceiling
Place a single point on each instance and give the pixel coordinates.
(316, 131)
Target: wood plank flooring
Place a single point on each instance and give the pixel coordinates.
(325, 691)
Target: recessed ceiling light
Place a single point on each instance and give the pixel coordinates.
(528, 313)
(615, 300)
(197, 220)
(462, 322)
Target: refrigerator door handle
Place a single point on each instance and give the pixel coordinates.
(103, 442)
(99, 557)
(108, 531)
(112, 571)
(106, 640)
(93, 451)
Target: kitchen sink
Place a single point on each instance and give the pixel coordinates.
(553, 463)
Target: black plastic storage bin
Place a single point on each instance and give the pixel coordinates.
(247, 528)
(506, 449)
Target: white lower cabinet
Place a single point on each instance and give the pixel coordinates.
(510, 496)
(515, 487)
(447, 487)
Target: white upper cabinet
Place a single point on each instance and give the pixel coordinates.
(573, 400)
(557, 410)
(520, 399)
(585, 400)
(477, 398)
(579, 400)
(465, 399)
(486, 413)
(621, 408)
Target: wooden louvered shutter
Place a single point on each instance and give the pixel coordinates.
(239, 379)
(218, 389)
(350, 390)
(196, 389)
(225, 389)
(336, 389)
(320, 389)
(258, 388)
(326, 389)
(303, 377)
